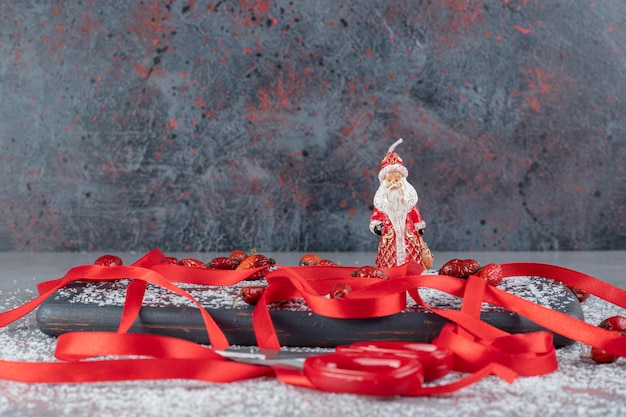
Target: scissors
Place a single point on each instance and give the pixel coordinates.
(383, 368)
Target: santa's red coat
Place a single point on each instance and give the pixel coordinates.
(387, 255)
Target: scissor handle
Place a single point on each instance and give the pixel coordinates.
(364, 373)
(436, 362)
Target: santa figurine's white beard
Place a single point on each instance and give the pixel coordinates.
(391, 201)
(396, 208)
(396, 203)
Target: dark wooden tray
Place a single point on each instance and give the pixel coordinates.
(98, 307)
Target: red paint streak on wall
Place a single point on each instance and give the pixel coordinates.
(259, 9)
(145, 71)
(273, 100)
(57, 43)
(302, 199)
(521, 29)
(70, 127)
(18, 55)
(533, 103)
(141, 70)
(457, 19)
(184, 195)
(465, 13)
(89, 24)
(200, 102)
(151, 21)
(542, 84)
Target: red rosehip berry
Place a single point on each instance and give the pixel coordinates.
(222, 262)
(340, 290)
(192, 263)
(492, 273)
(369, 271)
(459, 268)
(108, 260)
(251, 294)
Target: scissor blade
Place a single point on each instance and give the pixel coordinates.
(268, 357)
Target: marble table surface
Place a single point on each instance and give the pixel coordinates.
(578, 388)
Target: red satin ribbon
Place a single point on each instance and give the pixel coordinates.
(480, 349)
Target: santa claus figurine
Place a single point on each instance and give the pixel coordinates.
(396, 218)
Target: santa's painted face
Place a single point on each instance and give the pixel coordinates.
(393, 180)
(395, 193)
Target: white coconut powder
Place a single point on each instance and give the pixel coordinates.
(578, 388)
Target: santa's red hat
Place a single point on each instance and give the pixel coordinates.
(392, 163)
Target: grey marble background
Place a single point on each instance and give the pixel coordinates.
(210, 126)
